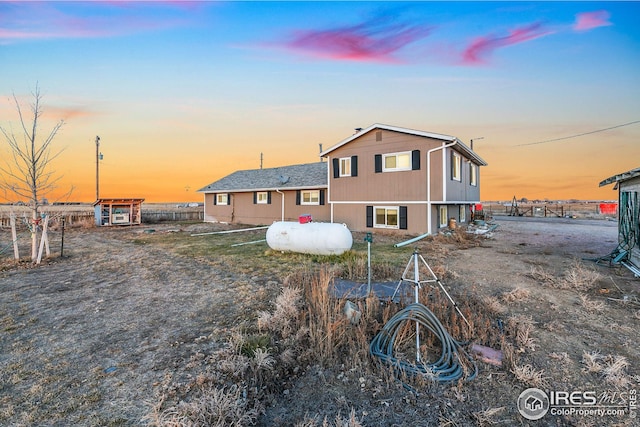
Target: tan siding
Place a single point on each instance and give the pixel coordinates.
(371, 186)
(242, 210)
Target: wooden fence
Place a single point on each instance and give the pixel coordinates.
(84, 218)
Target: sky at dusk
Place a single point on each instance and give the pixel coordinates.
(184, 93)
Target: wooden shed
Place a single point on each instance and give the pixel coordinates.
(628, 186)
(118, 211)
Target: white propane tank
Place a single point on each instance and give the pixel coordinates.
(318, 238)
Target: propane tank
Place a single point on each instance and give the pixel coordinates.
(318, 238)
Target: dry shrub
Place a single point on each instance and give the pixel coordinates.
(578, 277)
(521, 327)
(516, 295)
(350, 421)
(485, 418)
(591, 305)
(493, 305)
(529, 376)
(215, 407)
(539, 274)
(283, 318)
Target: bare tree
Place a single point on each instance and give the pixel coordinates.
(27, 172)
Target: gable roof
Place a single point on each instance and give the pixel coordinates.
(309, 175)
(624, 176)
(461, 146)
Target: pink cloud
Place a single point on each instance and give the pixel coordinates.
(590, 20)
(367, 42)
(484, 46)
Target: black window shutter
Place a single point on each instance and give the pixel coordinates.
(255, 197)
(228, 198)
(369, 216)
(322, 197)
(378, 162)
(336, 168)
(354, 165)
(268, 197)
(453, 160)
(415, 160)
(215, 199)
(403, 217)
(297, 197)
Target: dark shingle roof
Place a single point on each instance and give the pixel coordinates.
(310, 175)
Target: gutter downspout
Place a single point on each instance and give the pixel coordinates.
(444, 174)
(282, 209)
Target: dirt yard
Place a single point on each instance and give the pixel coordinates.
(130, 315)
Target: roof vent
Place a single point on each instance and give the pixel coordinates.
(358, 130)
(283, 179)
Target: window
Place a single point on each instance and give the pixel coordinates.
(262, 197)
(396, 162)
(443, 216)
(345, 166)
(310, 197)
(473, 174)
(221, 199)
(463, 214)
(455, 166)
(386, 217)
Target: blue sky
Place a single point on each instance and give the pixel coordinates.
(183, 93)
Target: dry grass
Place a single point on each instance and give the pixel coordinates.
(611, 368)
(578, 277)
(486, 417)
(350, 421)
(516, 295)
(590, 305)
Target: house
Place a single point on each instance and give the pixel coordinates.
(261, 196)
(380, 178)
(628, 186)
(393, 178)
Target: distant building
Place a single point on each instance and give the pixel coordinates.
(628, 186)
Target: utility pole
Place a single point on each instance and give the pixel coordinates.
(97, 168)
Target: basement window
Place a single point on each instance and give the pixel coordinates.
(443, 216)
(386, 217)
(463, 214)
(396, 162)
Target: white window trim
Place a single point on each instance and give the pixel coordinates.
(384, 158)
(473, 172)
(443, 218)
(342, 171)
(386, 208)
(222, 198)
(463, 214)
(302, 202)
(457, 165)
(262, 197)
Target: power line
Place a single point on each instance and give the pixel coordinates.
(580, 134)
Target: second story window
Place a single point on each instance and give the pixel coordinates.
(456, 161)
(345, 166)
(396, 162)
(473, 174)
